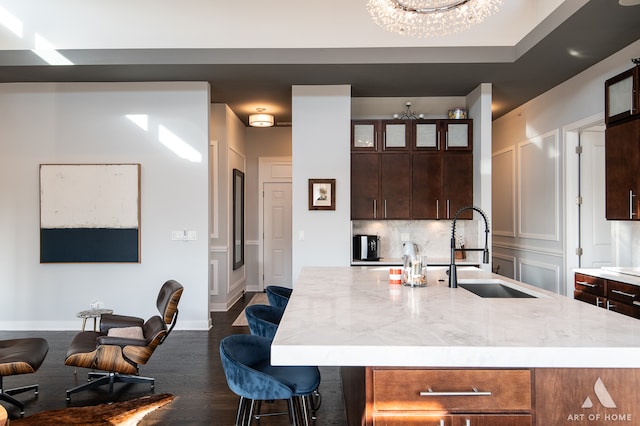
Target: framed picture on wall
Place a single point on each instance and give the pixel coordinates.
(322, 194)
(89, 213)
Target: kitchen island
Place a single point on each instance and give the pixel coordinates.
(550, 360)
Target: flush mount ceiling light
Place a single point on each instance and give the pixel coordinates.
(429, 18)
(261, 119)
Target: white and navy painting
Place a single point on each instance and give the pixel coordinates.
(89, 213)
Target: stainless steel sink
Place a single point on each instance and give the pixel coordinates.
(494, 290)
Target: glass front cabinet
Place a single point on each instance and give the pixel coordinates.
(621, 96)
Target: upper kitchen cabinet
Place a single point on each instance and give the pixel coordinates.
(442, 183)
(622, 160)
(622, 96)
(365, 186)
(380, 186)
(380, 135)
(446, 135)
(411, 169)
(457, 135)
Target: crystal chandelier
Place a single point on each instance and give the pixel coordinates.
(428, 18)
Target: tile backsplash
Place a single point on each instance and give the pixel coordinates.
(433, 237)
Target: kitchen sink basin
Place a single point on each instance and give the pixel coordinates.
(494, 290)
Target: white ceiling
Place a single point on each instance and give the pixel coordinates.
(206, 24)
(253, 51)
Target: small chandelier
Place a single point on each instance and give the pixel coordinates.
(261, 119)
(407, 114)
(428, 18)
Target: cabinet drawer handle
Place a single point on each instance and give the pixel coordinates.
(622, 293)
(474, 392)
(586, 284)
(635, 302)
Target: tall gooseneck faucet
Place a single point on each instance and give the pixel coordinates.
(453, 275)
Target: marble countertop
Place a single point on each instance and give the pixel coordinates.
(621, 274)
(345, 316)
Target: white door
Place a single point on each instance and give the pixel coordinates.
(277, 234)
(595, 230)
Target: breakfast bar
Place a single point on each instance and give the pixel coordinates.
(445, 356)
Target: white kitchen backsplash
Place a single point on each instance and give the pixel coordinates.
(625, 237)
(433, 237)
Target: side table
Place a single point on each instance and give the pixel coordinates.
(92, 313)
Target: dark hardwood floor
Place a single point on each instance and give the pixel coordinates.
(187, 365)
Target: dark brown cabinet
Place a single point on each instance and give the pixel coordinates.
(609, 294)
(380, 135)
(623, 298)
(380, 186)
(622, 160)
(590, 289)
(395, 186)
(365, 185)
(621, 96)
(424, 169)
(442, 169)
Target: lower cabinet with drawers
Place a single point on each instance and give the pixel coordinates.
(609, 294)
(404, 396)
(450, 397)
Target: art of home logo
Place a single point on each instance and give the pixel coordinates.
(603, 399)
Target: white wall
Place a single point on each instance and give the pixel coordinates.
(543, 260)
(321, 150)
(87, 123)
(228, 147)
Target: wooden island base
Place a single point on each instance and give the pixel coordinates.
(491, 397)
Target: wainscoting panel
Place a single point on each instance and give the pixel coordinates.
(504, 265)
(503, 190)
(539, 186)
(539, 274)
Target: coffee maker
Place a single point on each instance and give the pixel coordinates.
(366, 247)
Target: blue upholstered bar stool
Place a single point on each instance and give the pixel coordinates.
(263, 320)
(278, 296)
(246, 361)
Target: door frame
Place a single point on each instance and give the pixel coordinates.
(571, 136)
(270, 170)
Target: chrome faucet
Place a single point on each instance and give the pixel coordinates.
(453, 275)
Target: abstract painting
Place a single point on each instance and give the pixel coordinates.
(89, 213)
